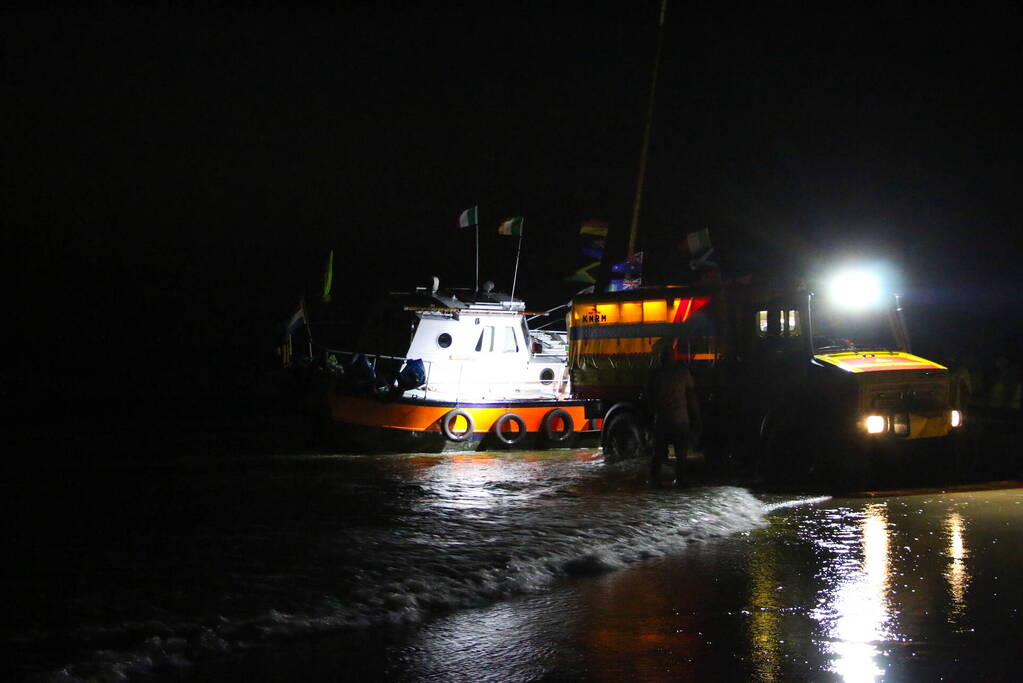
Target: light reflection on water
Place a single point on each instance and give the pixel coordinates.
(957, 574)
(507, 564)
(330, 543)
(483, 481)
(862, 604)
(854, 608)
(846, 590)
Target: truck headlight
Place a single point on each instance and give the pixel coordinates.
(955, 418)
(900, 424)
(876, 424)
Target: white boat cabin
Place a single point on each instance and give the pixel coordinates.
(474, 346)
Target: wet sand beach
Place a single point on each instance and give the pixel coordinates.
(897, 588)
(495, 566)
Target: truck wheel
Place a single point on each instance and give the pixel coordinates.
(623, 437)
(789, 458)
(722, 452)
(850, 466)
(768, 459)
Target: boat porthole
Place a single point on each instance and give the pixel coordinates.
(510, 438)
(449, 422)
(550, 423)
(546, 376)
(444, 340)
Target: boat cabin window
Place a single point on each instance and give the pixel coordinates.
(444, 340)
(511, 342)
(486, 340)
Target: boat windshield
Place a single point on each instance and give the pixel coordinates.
(836, 330)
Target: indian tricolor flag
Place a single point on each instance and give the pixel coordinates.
(511, 226)
(469, 217)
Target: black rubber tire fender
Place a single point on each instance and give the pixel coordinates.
(553, 435)
(510, 438)
(447, 425)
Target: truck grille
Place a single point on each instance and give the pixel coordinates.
(914, 398)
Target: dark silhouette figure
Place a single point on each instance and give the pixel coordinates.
(672, 397)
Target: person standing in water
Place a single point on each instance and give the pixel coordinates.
(672, 397)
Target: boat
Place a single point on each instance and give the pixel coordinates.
(453, 370)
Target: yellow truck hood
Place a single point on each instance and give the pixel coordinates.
(877, 361)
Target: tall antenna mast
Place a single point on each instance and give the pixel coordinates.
(516, 275)
(641, 174)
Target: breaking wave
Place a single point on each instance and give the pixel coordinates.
(415, 541)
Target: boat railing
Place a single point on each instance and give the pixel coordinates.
(335, 359)
(462, 386)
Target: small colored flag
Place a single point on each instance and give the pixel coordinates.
(512, 226)
(583, 274)
(594, 249)
(469, 217)
(630, 266)
(328, 277)
(624, 284)
(597, 228)
(630, 272)
(697, 248)
(297, 318)
(695, 243)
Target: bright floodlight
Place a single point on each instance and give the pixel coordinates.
(855, 289)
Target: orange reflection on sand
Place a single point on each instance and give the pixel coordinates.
(764, 608)
(640, 637)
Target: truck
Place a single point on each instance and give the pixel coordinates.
(795, 381)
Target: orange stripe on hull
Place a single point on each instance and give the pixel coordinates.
(420, 418)
(372, 413)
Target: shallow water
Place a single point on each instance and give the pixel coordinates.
(129, 568)
(491, 566)
(895, 588)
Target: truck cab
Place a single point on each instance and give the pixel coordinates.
(792, 379)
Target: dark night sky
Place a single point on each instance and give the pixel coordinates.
(173, 179)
